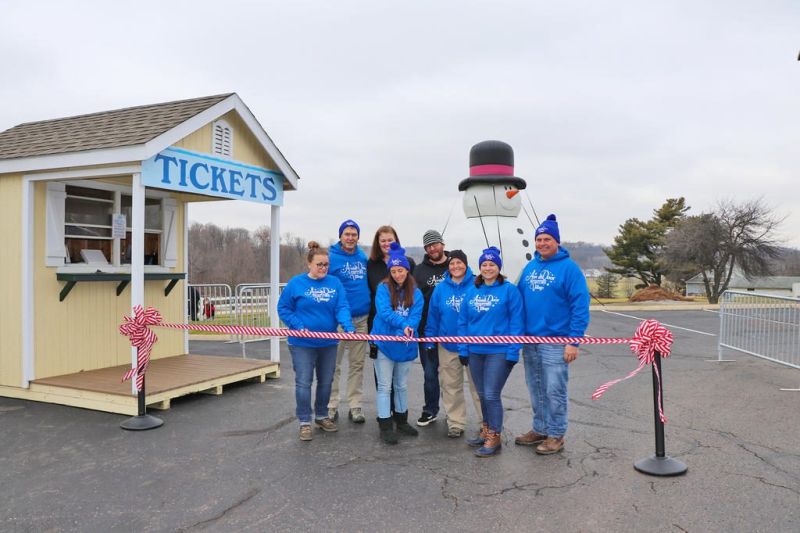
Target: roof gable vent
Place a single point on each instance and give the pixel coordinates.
(222, 139)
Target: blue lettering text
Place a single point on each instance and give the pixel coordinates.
(165, 172)
(218, 178)
(193, 175)
(268, 183)
(236, 184)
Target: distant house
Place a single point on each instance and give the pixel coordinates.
(592, 272)
(778, 285)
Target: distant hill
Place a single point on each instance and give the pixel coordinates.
(587, 254)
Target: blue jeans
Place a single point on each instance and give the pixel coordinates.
(392, 375)
(430, 366)
(304, 361)
(547, 375)
(489, 374)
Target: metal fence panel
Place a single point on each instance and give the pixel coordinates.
(762, 325)
(211, 302)
(252, 308)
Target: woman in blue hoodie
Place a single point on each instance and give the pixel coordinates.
(398, 311)
(316, 302)
(491, 307)
(443, 312)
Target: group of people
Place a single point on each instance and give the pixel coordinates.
(388, 294)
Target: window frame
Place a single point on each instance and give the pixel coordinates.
(118, 190)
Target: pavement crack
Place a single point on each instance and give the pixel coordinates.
(679, 527)
(238, 503)
(766, 482)
(258, 431)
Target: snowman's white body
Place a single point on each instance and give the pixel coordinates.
(498, 208)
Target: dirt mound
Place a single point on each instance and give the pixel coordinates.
(654, 293)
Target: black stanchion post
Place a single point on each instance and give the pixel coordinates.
(659, 464)
(142, 421)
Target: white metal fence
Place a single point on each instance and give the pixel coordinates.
(248, 305)
(762, 325)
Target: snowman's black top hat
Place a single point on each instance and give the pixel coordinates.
(491, 162)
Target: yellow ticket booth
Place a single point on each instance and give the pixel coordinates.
(93, 211)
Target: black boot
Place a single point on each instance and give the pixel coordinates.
(387, 430)
(401, 419)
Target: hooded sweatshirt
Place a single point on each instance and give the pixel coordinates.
(351, 269)
(392, 321)
(445, 305)
(555, 296)
(428, 275)
(491, 310)
(315, 305)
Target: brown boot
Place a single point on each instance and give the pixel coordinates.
(481, 438)
(491, 446)
(530, 438)
(550, 446)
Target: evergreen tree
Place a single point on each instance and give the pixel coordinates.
(637, 249)
(607, 285)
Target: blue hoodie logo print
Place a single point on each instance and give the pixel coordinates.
(484, 303)
(538, 281)
(401, 310)
(321, 295)
(454, 302)
(435, 280)
(354, 270)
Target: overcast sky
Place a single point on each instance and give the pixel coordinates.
(611, 106)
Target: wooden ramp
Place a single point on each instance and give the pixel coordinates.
(167, 378)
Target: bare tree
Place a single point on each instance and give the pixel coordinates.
(733, 237)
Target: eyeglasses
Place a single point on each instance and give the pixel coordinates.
(323, 265)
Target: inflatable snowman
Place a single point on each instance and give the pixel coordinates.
(492, 203)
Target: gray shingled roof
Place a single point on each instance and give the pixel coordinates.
(108, 129)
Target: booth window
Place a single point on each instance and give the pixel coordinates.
(222, 139)
(152, 230)
(87, 217)
(79, 222)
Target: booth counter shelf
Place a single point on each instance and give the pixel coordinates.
(122, 277)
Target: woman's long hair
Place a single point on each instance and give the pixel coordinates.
(376, 254)
(479, 280)
(406, 289)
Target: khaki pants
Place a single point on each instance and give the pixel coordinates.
(451, 380)
(356, 352)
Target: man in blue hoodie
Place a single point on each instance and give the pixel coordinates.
(349, 264)
(556, 304)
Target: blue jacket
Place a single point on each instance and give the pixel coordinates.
(390, 321)
(445, 306)
(491, 310)
(315, 305)
(555, 296)
(351, 269)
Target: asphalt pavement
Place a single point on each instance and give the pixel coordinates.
(234, 462)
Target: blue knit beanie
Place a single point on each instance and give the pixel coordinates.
(491, 254)
(549, 227)
(397, 257)
(349, 224)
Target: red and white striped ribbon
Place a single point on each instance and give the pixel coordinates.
(142, 338)
(500, 339)
(650, 337)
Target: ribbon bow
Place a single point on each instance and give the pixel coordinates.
(142, 338)
(650, 337)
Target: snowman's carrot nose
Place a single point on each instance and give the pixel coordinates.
(511, 194)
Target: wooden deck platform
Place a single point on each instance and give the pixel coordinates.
(167, 378)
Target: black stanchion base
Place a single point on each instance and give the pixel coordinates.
(661, 466)
(141, 423)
